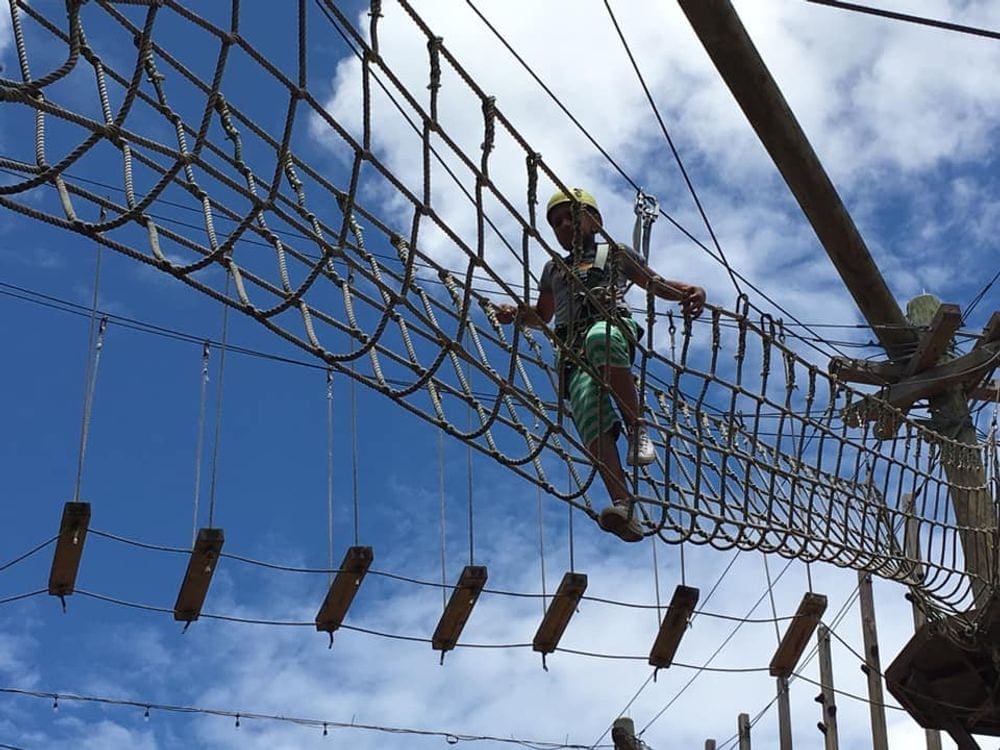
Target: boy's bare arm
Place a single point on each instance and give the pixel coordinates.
(532, 316)
(690, 297)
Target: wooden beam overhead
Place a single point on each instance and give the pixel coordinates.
(673, 627)
(456, 614)
(866, 371)
(986, 392)
(800, 631)
(560, 610)
(991, 332)
(734, 55)
(201, 568)
(969, 368)
(344, 587)
(69, 548)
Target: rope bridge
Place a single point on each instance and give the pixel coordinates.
(754, 451)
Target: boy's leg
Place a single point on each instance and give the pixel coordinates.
(598, 426)
(608, 350)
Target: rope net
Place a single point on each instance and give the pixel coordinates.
(367, 271)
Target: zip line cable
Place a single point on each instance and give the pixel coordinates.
(715, 653)
(921, 20)
(324, 724)
(979, 297)
(673, 149)
(627, 178)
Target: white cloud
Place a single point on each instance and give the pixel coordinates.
(884, 103)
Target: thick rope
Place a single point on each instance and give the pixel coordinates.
(759, 448)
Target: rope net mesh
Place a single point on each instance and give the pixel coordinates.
(381, 272)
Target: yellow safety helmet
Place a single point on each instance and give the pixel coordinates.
(578, 194)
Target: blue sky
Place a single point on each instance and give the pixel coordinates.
(905, 121)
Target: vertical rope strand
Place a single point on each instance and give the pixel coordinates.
(683, 570)
(329, 468)
(218, 408)
(472, 540)
(541, 549)
(89, 376)
(656, 582)
(444, 582)
(354, 459)
(199, 448)
(572, 552)
(770, 595)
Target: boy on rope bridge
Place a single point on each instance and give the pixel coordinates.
(599, 271)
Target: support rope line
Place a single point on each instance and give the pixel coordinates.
(329, 469)
(441, 521)
(206, 352)
(422, 582)
(95, 339)
(217, 438)
(751, 459)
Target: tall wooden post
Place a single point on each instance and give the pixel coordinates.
(911, 544)
(873, 663)
(784, 715)
(827, 697)
(732, 51)
(743, 731)
(709, 744)
(970, 499)
(623, 734)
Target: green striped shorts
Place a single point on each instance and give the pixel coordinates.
(590, 403)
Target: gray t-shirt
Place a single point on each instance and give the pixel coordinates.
(567, 293)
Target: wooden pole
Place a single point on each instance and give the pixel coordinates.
(733, 53)
(873, 663)
(827, 698)
(709, 744)
(743, 731)
(912, 548)
(784, 715)
(623, 734)
(973, 507)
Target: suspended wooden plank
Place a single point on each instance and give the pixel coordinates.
(560, 611)
(69, 548)
(201, 567)
(344, 587)
(456, 614)
(800, 631)
(673, 627)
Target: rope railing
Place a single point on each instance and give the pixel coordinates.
(363, 270)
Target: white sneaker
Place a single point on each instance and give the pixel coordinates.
(640, 448)
(621, 521)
